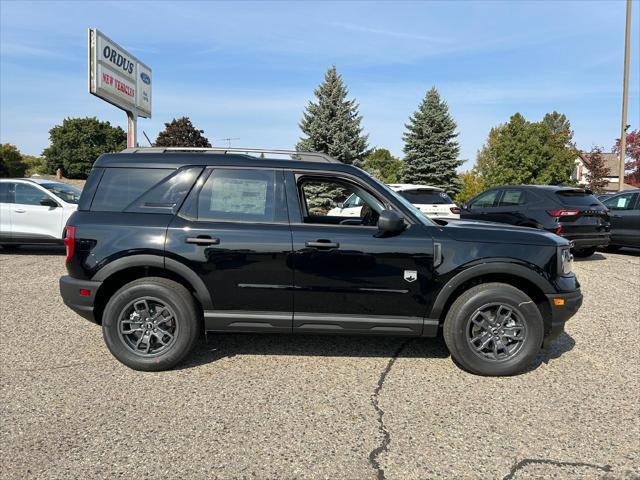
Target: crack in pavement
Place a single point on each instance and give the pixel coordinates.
(544, 461)
(382, 428)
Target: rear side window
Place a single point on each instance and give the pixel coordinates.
(426, 197)
(239, 196)
(577, 198)
(120, 187)
(512, 198)
(6, 192)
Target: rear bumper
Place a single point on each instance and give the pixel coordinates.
(81, 304)
(587, 240)
(561, 313)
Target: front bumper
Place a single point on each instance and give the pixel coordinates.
(563, 307)
(81, 304)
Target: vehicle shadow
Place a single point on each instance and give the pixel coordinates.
(595, 257)
(34, 250)
(564, 343)
(219, 346)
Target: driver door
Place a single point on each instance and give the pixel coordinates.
(32, 221)
(346, 278)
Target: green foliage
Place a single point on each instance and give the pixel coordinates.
(597, 170)
(523, 152)
(472, 185)
(332, 124)
(431, 151)
(78, 142)
(34, 165)
(181, 133)
(382, 165)
(11, 164)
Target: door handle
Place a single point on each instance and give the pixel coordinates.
(20, 210)
(323, 244)
(203, 240)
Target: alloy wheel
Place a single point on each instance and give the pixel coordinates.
(496, 332)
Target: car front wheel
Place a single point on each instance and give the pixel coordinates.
(151, 324)
(494, 329)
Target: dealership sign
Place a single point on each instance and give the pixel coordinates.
(117, 76)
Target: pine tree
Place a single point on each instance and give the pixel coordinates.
(181, 133)
(431, 151)
(332, 125)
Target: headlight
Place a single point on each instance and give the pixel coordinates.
(565, 260)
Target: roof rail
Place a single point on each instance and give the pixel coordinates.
(304, 156)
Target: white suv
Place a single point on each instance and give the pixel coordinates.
(432, 201)
(34, 210)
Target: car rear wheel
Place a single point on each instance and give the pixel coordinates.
(584, 252)
(494, 329)
(151, 324)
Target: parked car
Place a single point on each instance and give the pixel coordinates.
(624, 211)
(34, 211)
(603, 196)
(167, 242)
(432, 201)
(572, 213)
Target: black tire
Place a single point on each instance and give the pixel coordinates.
(153, 291)
(459, 324)
(584, 252)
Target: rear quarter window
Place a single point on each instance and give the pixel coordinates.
(120, 187)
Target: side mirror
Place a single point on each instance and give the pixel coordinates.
(390, 223)
(49, 202)
(340, 205)
(464, 206)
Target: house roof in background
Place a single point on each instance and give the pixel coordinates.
(611, 159)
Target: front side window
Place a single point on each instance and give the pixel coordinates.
(28, 195)
(623, 201)
(512, 198)
(485, 200)
(319, 196)
(239, 196)
(67, 193)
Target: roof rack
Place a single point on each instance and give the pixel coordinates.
(304, 156)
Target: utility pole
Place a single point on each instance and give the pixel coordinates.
(625, 98)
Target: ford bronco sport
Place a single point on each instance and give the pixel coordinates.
(168, 242)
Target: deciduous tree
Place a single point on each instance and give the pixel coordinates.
(78, 142)
(597, 170)
(11, 164)
(632, 164)
(382, 165)
(181, 133)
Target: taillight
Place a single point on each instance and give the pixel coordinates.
(563, 213)
(455, 210)
(559, 230)
(69, 241)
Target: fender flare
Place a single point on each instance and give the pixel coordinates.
(158, 261)
(513, 269)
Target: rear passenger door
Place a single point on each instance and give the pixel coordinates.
(6, 202)
(233, 232)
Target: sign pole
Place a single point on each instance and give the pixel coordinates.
(132, 129)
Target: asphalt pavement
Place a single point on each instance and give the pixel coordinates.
(289, 407)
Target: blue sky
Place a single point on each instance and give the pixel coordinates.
(247, 69)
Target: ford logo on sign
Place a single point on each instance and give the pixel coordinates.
(145, 78)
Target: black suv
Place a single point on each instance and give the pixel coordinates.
(167, 243)
(573, 213)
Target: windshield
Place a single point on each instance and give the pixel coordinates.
(426, 197)
(407, 204)
(67, 193)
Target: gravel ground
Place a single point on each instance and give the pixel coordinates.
(249, 406)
